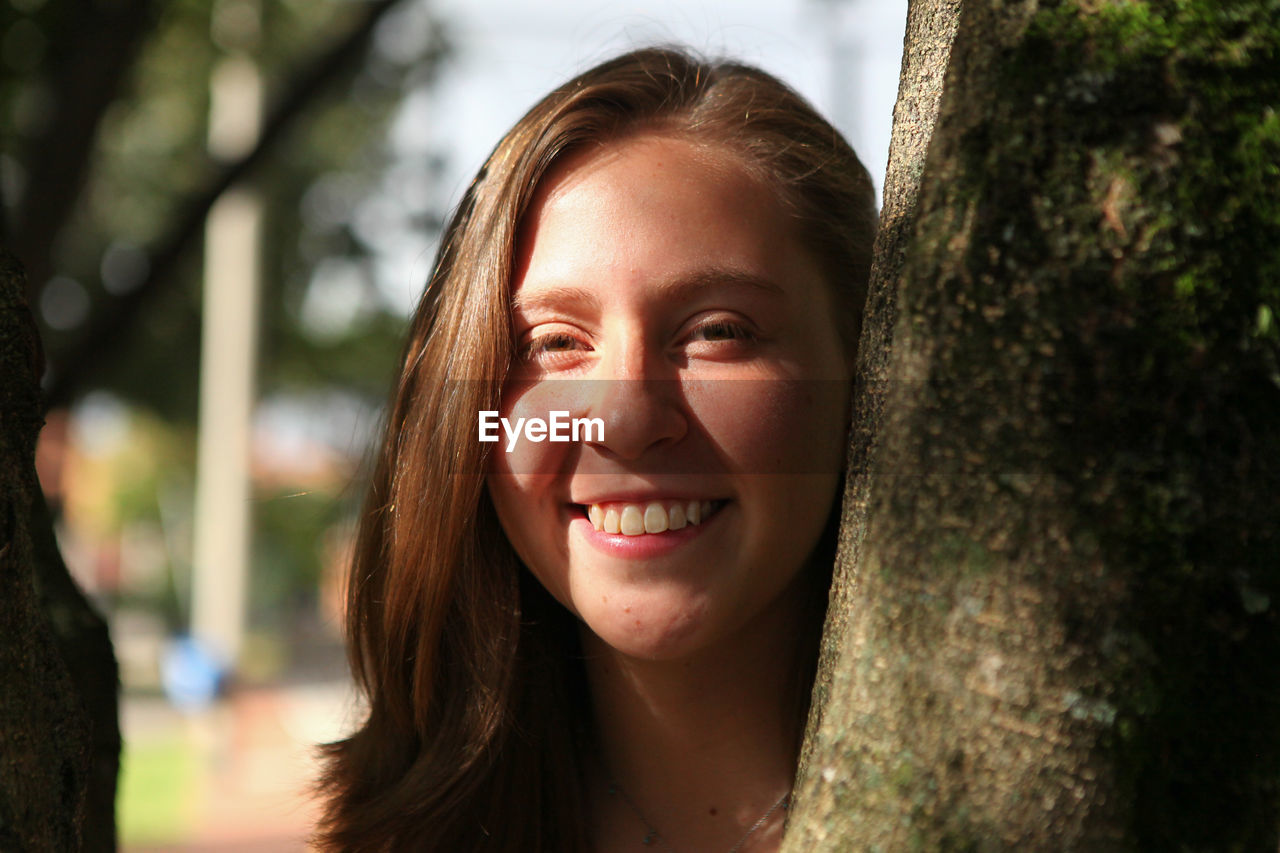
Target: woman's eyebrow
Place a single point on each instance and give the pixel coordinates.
(687, 286)
(680, 288)
(554, 296)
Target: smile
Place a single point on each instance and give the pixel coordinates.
(636, 519)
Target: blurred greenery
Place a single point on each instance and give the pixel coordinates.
(105, 105)
(287, 541)
(156, 797)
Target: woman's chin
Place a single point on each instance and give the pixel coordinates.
(652, 630)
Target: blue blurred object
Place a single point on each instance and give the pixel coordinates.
(193, 675)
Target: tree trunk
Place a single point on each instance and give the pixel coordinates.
(57, 762)
(931, 27)
(1060, 630)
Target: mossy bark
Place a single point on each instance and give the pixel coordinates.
(1063, 624)
(57, 762)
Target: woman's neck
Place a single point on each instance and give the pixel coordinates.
(696, 749)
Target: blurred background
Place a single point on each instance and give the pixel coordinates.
(226, 210)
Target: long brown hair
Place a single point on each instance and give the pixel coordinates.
(470, 669)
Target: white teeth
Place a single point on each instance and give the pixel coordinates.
(652, 517)
(655, 518)
(632, 520)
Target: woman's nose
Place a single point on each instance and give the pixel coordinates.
(639, 398)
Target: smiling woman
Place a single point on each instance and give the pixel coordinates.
(670, 360)
(608, 642)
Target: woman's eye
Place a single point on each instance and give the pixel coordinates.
(721, 330)
(548, 344)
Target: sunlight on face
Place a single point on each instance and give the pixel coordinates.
(661, 288)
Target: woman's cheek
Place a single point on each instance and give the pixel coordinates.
(535, 425)
(775, 426)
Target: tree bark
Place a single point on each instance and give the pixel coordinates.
(59, 737)
(83, 641)
(931, 27)
(1060, 630)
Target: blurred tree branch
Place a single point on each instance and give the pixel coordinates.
(88, 72)
(108, 330)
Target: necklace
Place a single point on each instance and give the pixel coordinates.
(652, 836)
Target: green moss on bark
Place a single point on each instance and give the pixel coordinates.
(1169, 148)
(1069, 605)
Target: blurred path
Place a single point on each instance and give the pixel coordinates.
(234, 778)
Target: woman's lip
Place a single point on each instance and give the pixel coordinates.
(642, 546)
(639, 498)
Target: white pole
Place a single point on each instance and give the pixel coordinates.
(227, 366)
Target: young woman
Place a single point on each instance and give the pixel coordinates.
(607, 644)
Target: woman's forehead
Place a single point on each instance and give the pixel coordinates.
(661, 149)
(604, 203)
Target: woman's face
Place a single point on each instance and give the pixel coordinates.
(662, 289)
